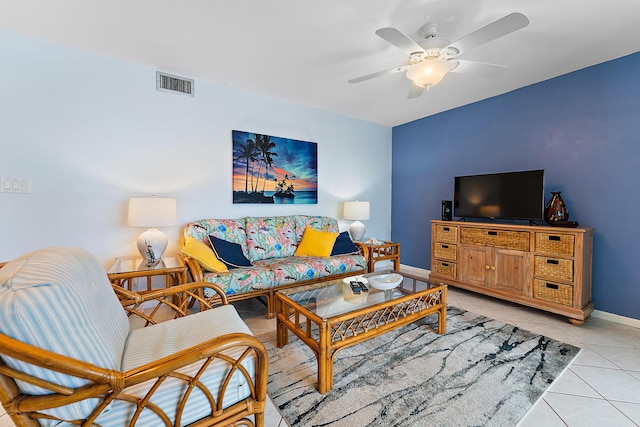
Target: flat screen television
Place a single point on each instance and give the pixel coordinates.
(508, 195)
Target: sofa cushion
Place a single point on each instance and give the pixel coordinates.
(344, 245)
(231, 230)
(148, 344)
(229, 253)
(296, 269)
(270, 237)
(60, 299)
(202, 253)
(321, 223)
(241, 280)
(316, 243)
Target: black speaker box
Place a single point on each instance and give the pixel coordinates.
(447, 213)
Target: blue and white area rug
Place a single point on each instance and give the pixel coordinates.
(480, 373)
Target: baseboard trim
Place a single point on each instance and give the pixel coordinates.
(629, 321)
(417, 270)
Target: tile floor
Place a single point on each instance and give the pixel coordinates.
(600, 388)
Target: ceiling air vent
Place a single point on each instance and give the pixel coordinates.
(174, 84)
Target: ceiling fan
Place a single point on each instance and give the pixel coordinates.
(433, 57)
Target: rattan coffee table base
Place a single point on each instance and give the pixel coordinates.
(326, 336)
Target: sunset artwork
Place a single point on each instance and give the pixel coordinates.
(271, 169)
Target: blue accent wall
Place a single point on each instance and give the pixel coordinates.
(582, 128)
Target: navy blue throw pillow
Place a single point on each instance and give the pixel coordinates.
(344, 245)
(229, 253)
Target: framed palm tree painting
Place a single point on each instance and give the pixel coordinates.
(272, 169)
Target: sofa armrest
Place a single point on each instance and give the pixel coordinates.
(363, 249)
(178, 299)
(195, 270)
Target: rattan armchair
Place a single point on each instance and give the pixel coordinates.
(212, 379)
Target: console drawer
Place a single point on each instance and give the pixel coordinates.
(445, 251)
(556, 244)
(444, 268)
(447, 234)
(553, 268)
(554, 292)
(517, 240)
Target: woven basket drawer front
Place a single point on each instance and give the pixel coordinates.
(553, 268)
(445, 251)
(444, 268)
(554, 292)
(518, 240)
(557, 244)
(446, 234)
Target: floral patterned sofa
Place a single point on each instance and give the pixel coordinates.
(269, 243)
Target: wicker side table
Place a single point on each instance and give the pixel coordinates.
(381, 252)
(126, 268)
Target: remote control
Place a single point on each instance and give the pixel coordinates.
(355, 287)
(363, 288)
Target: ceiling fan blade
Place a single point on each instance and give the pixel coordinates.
(399, 40)
(378, 74)
(481, 68)
(415, 91)
(495, 30)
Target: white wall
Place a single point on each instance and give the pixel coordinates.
(91, 131)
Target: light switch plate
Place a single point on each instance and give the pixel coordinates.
(15, 185)
(5, 185)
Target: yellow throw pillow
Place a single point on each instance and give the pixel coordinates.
(204, 255)
(316, 243)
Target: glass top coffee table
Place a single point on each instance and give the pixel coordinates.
(329, 316)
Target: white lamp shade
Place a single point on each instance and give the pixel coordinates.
(428, 72)
(356, 210)
(152, 212)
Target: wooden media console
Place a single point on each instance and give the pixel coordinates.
(548, 268)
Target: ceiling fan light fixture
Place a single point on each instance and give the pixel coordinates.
(429, 72)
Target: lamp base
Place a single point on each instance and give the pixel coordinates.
(356, 230)
(151, 245)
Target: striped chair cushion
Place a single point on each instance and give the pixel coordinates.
(154, 342)
(60, 299)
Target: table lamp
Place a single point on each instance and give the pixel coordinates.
(152, 212)
(356, 211)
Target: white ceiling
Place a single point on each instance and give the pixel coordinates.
(305, 51)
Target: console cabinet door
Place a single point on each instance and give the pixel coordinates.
(474, 264)
(503, 269)
(511, 271)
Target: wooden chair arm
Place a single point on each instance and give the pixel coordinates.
(179, 299)
(101, 379)
(108, 385)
